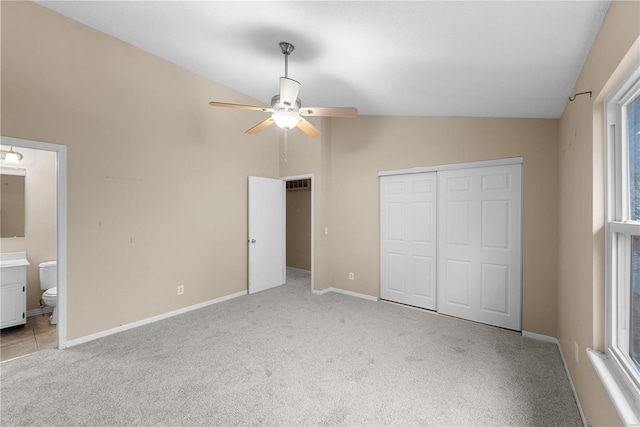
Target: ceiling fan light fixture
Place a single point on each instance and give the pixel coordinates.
(286, 119)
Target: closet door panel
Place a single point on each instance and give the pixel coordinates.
(408, 239)
(479, 249)
(395, 272)
(423, 273)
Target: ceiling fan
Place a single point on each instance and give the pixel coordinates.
(286, 109)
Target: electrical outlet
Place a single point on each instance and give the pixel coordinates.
(351, 276)
(180, 289)
(576, 350)
(326, 230)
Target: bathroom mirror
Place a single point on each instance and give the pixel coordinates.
(12, 206)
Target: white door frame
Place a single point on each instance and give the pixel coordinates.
(61, 226)
(454, 166)
(296, 178)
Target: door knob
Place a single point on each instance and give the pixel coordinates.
(253, 240)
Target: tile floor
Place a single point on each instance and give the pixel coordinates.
(36, 334)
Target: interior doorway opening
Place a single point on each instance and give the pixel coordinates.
(299, 236)
(29, 244)
(60, 251)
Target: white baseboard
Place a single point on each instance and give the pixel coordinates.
(573, 388)
(540, 337)
(342, 291)
(554, 340)
(38, 311)
(142, 322)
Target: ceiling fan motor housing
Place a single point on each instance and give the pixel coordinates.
(275, 103)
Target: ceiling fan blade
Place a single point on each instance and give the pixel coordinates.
(241, 106)
(308, 128)
(263, 124)
(289, 91)
(329, 111)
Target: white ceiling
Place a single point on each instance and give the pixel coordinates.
(418, 58)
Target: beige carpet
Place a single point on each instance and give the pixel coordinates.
(287, 357)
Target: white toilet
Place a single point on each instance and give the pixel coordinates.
(49, 284)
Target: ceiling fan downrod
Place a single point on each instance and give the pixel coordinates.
(286, 48)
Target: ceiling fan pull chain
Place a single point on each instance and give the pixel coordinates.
(285, 145)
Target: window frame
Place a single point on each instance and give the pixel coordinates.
(616, 369)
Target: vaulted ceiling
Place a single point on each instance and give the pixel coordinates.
(417, 58)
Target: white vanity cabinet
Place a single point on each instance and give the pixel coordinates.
(13, 289)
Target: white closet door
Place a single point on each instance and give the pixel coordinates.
(408, 239)
(479, 248)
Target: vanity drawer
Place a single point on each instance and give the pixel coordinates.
(13, 275)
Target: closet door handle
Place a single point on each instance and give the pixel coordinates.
(252, 240)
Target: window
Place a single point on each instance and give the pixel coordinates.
(622, 361)
(625, 132)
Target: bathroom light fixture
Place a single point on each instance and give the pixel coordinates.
(11, 157)
(286, 119)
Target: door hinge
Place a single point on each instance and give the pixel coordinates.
(23, 314)
(23, 288)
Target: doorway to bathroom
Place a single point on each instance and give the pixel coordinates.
(299, 230)
(37, 239)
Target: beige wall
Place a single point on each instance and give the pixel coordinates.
(122, 112)
(142, 221)
(364, 146)
(299, 229)
(39, 241)
(349, 154)
(581, 205)
(157, 178)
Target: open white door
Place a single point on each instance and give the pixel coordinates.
(266, 233)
